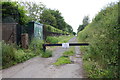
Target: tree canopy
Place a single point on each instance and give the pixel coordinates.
(23, 12)
(33, 10)
(54, 18)
(12, 12)
(85, 22)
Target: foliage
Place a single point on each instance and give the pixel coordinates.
(12, 12)
(47, 18)
(54, 18)
(64, 39)
(58, 39)
(21, 55)
(36, 45)
(52, 39)
(53, 29)
(8, 52)
(85, 22)
(74, 33)
(12, 56)
(101, 56)
(33, 10)
(65, 58)
(62, 60)
(46, 54)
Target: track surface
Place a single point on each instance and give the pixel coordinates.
(42, 67)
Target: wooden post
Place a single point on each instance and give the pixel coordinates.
(24, 40)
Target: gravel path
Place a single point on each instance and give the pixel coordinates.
(42, 67)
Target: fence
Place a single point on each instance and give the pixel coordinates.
(9, 32)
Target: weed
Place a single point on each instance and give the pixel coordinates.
(8, 52)
(46, 54)
(62, 60)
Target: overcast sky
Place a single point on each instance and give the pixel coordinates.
(73, 11)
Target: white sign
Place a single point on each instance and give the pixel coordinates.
(65, 45)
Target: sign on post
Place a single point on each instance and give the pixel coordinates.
(65, 45)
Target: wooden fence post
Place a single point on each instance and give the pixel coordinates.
(24, 40)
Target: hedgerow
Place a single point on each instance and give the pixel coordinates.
(101, 56)
(50, 28)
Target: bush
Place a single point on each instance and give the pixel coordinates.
(102, 35)
(52, 40)
(50, 28)
(21, 56)
(12, 56)
(47, 54)
(8, 52)
(36, 45)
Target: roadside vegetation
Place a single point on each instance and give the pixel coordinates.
(13, 54)
(58, 39)
(46, 54)
(64, 59)
(100, 58)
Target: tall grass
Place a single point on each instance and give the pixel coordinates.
(58, 39)
(36, 46)
(101, 57)
(12, 54)
(52, 40)
(8, 52)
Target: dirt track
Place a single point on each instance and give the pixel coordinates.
(42, 67)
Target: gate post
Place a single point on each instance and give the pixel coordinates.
(24, 40)
(44, 47)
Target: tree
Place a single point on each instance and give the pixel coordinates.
(85, 22)
(34, 10)
(12, 12)
(54, 18)
(47, 18)
(74, 33)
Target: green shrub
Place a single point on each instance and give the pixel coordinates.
(62, 60)
(12, 56)
(52, 40)
(36, 45)
(21, 56)
(46, 54)
(50, 28)
(8, 52)
(102, 35)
